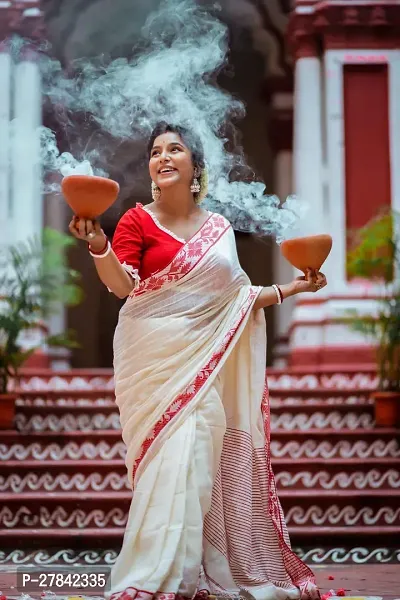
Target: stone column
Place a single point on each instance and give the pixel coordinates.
(26, 203)
(307, 142)
(26, 207)
(307, 333)
(5, 114)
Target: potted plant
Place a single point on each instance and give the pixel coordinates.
(34, 277)
(376, 256)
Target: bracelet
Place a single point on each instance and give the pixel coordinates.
(105, 252)
(278, 293)
(101, 251)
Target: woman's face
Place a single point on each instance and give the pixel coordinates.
(170, 161)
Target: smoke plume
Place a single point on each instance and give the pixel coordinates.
(172, 76)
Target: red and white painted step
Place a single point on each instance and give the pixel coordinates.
(64, 495)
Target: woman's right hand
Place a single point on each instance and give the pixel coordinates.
(83, 229)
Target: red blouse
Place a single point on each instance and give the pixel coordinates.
(140, 242)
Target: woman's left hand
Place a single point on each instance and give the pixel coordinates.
(313, 281)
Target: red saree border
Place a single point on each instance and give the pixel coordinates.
(300, 573)
(187, 257)
(132, 593)
(195, 386)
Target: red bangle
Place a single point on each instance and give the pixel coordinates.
(101, 251)
(280, 293)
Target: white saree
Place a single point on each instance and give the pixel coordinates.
(189, 357)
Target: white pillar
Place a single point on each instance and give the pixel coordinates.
(26, 210)
(394, 124)
(5, 114)
(308, 158)
(309, 187)
(27, 205)
(336, 179)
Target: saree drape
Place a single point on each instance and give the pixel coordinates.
(189, 359)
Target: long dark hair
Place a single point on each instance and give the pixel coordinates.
(190, 139)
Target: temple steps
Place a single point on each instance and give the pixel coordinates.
(76, 546)
(116, 533)
(304, 473)
(286, 443)
(59, 405)
(64, 493)
(86, 508)
(86, 415)
(11, 436)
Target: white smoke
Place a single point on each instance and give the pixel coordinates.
(171, 77)
(63, 163)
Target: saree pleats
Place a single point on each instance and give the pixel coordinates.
(162, 547)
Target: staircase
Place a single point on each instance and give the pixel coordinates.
(64, 495)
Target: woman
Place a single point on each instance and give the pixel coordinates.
(189, 357)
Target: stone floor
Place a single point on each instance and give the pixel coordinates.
(361, 580)
(358, 580)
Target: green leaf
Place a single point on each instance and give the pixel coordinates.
(17, 359)
(375, 254)
(35, 276)
(63, 340)
(375, 248)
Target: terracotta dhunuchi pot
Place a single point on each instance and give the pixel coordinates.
(89, 196)
(308, 252)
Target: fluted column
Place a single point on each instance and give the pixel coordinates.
(26, 203)
(307, 331)
(26, 206)
(308, 158)
(5, 114)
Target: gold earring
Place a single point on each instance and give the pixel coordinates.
(195, 187)
(155, 191)
(203, 187)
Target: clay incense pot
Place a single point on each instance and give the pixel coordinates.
(89, 196)
(308, 252)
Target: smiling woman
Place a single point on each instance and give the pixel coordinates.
(189, 358)
(174, 150)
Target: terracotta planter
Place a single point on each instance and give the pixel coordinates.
(307, 252)
(89, 196)
(387, 408)
(7, 410)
